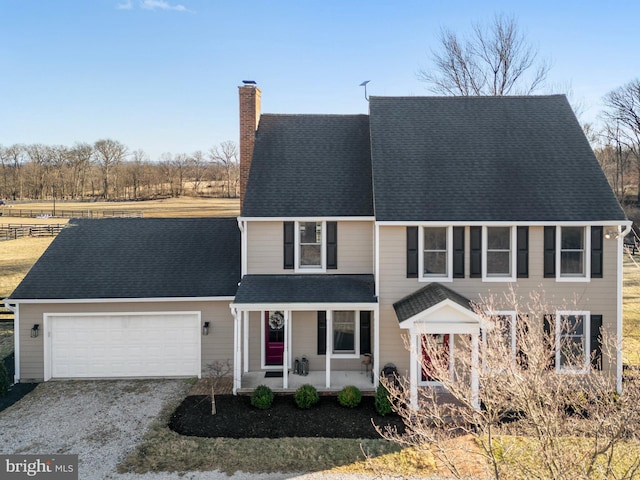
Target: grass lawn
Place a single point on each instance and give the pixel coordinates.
(631, 312)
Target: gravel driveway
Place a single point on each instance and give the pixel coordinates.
(102, 422)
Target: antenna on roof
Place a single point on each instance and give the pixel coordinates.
(249, 82)
(364, 84)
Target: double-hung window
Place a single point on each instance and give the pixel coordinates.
(499, 341)
(310, 241)
(345, 329)
(573, 247)
(436, 260)
(499, 259)
(572, 341)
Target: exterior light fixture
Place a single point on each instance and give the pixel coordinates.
(611, 234)
(205, 328)
(35, 330)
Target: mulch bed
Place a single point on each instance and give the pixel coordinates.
(16, 391)
(237, 418)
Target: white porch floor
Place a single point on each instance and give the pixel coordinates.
(339, 379)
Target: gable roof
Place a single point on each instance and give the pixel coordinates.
(310, 166)
(263, 289)
(138, 258)
(484, 159)
(425, 298)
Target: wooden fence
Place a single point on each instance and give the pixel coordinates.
(13, 231)
(29, 213)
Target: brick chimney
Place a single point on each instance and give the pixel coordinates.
(249, 118)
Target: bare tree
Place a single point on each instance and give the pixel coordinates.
(623, 110)
(218, 373)
(109, 155)
(80, 158)
(226, 155)
(494, 60)
(197, 169)
(534, 421)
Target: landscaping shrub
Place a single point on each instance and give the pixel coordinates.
(306, 396)
(349, 396)
(382, 402)
(4, 379)
(262, 397)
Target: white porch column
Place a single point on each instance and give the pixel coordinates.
(285, 352)
(245, 335)
(327, 367)
(475, 384)
(376, 346)
(236, 351)
(413, 368)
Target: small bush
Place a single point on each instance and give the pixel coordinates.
(382, 402)
(4, 379)
(262, 397)
(306, 396)
(350, 397)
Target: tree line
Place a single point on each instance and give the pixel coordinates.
(109, 170)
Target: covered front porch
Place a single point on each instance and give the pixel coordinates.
(291, 330)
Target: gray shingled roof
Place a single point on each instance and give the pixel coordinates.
(260, 289)
(310, 165)
(484, 159)
(138, 258)
(425, 298)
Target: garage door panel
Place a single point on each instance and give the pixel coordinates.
(125, 345)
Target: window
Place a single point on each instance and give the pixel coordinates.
(499, 261)
(436, 248)
(310, 241)
(435, 252)
(499, 340)
(572, 251)
(572, 332)
(344, 332)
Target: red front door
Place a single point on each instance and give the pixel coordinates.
(442, 357)
(273, 337)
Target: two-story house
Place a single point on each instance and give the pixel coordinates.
(354, 231)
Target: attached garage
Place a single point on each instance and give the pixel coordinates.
(122, 345)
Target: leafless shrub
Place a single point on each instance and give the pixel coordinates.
(217, 373)
(534, 420)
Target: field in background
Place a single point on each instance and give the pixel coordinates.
(171, 207)
(631, 312)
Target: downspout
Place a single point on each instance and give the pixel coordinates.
(621, 235)
(242, 225)
(16, 338)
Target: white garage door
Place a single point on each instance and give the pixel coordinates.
(118, 345)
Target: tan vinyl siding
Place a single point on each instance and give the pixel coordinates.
(265, 248)
(597, 296)
(218, 345)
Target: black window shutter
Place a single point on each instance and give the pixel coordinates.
(458, 252)
(365, 332)
(522, 331)
(549, 332)
(523, 252)
(596, 342)
(475, 237)
(332, 245)
(322, 333)
(289, 240)
(596, 252)
(549, 252)
(412, 252)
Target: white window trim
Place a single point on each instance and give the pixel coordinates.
(587, 256)
(512, 256)
(432, 383)
(323, 249)
(356, 353)
(513, 327)
(586, 331)
(422, 277)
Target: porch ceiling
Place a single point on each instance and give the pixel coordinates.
(312, 289)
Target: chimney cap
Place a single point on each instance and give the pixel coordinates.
(249, 82)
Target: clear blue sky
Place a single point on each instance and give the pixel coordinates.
(162, 75)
